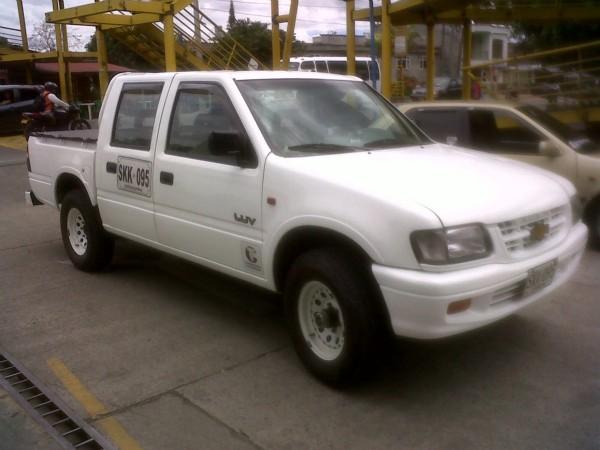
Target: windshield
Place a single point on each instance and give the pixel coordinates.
(575, 139)
(316, 116)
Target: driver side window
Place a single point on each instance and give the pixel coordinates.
(202, 119)
(502, 132)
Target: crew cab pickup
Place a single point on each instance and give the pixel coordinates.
(315, 186)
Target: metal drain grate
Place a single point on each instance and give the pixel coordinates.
(71, 432)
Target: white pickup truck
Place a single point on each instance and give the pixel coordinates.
(312, 185)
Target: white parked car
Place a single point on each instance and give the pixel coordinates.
(525, 133)
(314, 186)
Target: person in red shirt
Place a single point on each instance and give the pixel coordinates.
(51, 103)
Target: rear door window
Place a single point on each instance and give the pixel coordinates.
(307, 66)
(321, 66)
(442, 125)
(135, 116)
(362, 70)
(338, 67)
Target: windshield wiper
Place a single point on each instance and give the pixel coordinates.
(322, 146)
(388, 142)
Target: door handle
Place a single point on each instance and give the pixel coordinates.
(111, 167)
(166, 178)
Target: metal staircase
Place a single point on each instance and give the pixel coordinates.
(200, 43)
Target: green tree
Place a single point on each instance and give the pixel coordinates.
(231, 20)
(120, 54)
(256, 37)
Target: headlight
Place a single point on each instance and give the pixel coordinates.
(451, 245)
(576, 209)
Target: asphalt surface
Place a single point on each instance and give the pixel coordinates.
(183, 358)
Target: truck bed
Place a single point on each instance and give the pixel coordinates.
(54, 153)
(87, 136)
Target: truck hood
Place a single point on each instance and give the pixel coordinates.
(459, 186)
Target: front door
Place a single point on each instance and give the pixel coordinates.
(503, 132)
(207, 206)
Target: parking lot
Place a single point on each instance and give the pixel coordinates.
(172, 356)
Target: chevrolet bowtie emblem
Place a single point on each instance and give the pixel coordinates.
(539, 231)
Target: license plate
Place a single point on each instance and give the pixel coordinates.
(24, 121)
(541, 276)
(134, 175)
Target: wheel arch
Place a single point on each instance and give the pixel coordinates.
(67, 182)
(308, 237)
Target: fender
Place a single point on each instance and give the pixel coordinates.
(82, 175)
(275, 237)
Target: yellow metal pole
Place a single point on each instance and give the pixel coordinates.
(65, 48)
(169, 37)
(289, 34)
(350, 38)
(102, 62)
(386, 50)
(467, 52)
(275, 34)
(24, 41)
(430, 60)
(62, 79)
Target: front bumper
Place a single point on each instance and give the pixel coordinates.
(417, 301)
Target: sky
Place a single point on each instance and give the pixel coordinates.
(314, 16)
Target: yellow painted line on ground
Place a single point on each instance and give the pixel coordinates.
(17, 142)
(93, 406)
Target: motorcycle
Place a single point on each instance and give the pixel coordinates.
(35, 122)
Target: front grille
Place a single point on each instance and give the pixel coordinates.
(517, 233)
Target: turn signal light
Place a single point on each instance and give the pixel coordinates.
(459, 306)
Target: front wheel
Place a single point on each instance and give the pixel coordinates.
(329, 308)
(87, 244)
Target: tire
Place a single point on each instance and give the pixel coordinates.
(329, 305)
(79, 124)
(89, 247)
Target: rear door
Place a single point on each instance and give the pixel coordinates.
(124, 160)
(207, 206)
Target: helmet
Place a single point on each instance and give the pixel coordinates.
(50, 86)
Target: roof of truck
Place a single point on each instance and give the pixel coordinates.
(252, 75)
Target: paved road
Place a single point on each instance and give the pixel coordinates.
(182, 358)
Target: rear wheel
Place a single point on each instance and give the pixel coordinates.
(89, 247)
(329, 308)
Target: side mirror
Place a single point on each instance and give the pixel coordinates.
(549, 149)
(230, 144)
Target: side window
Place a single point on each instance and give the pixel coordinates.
(362, 70)
(28, 94)
(136, 111)
(307, 66)
(441, 125)
(502, 132)
(321, 66)
(338, 67)
(205, 126)
(6, 97)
